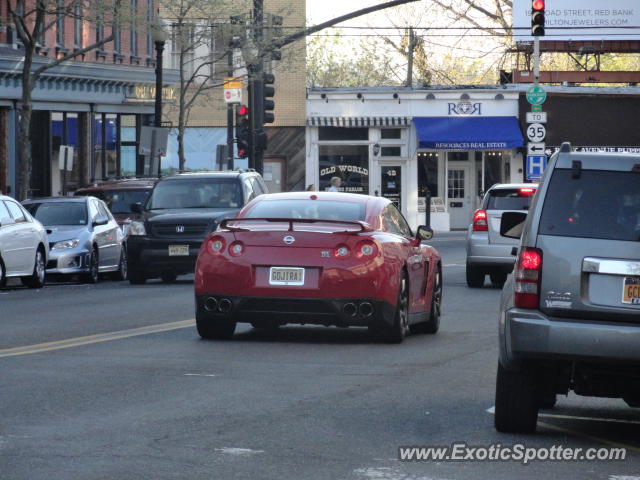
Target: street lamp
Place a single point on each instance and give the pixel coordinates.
(159, 37)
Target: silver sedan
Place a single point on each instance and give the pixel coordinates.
(84, 238)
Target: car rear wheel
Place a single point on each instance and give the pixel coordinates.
(3, 275)
(400, 328)
(475, 276)
(37, 278)
(137, 277)
(123, 269)
(92, 276)
(433, 324)
(516, 409)
(214, 328)
(498, 278)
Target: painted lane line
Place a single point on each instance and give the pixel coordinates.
(200, 375)
(97, 338)
(238, 451)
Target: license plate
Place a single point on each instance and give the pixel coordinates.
(286, 276)
(178, 250)
(631, 291)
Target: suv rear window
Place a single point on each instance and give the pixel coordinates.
(508, 199)
(599, 204)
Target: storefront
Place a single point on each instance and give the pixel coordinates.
(405, 144)
(85, 125)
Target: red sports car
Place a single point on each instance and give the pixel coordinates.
(318, 258)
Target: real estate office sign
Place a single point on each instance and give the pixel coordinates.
(579, 20)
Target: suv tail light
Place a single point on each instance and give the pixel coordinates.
(480, 221)
(526, 191)
(527, 275)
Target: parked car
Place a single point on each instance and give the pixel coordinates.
(180, 211)
(24, 249)
(570, 313)
(318, 258)
(120, 195)
(84, 238)
(488, 252)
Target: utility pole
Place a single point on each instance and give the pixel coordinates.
(256, 92)
(412, 45)
(230, 115)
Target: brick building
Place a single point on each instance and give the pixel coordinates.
(95, 104)
(207, 126)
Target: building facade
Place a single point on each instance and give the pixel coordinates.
(407, 144)
(94, 105)
(207, 122)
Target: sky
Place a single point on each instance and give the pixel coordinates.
(322, 10)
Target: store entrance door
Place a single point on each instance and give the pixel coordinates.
(459, 195)
(391, 184)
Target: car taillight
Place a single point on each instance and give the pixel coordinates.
(216, 245)
(526, 192)
(236, 249)
(480, 221)
(527, 275)
(366, 249)
(341, 251)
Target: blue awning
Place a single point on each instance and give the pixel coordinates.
(468, 133)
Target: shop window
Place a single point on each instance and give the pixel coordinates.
(350, 163)
(427, 174)
(343, 133)
(391, 133)
(492, 168)
(391, 151)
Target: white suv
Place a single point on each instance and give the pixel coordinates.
(24, 249)
(487, 251)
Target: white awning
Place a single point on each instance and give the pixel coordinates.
(355, 122)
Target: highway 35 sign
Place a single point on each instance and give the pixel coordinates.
(536, 132)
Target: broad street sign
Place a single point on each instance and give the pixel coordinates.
(536, 165)
(536, 117)
(536, 132)
(536, 95)
(535, 148)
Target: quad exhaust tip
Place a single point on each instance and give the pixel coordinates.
(350, 309)
(225, 305)
(366, 309)
(211, 304)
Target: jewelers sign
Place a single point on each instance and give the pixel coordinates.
(579, 20)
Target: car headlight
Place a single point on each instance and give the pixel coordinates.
(137, 228)
(66, 244)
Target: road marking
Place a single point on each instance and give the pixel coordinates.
(200, 375)
(456, 263)
(100, 337)
(492, 410)
(238, 451)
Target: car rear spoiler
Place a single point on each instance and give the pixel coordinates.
(364, 226)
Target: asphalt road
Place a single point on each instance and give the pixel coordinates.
(112, 382)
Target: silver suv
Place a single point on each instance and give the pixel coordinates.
(570, 313)
(488, 252)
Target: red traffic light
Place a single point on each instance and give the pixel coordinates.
(537, 5)
(243, 110)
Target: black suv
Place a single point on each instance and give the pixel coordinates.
(180, 211)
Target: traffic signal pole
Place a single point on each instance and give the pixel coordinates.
(230, 112)
(256, 92)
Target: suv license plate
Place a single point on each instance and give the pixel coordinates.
(631, 291)
(286, 276)
(178, 250)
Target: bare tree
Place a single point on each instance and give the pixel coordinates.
(31, 20)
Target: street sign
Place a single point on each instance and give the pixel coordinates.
(536, 117)
(536, 132)
(535, 148)
(536, 95)
(536, 164)
(536, 108)
(232, 90)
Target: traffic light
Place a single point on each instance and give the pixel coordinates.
(268, 93)
(537, 18)
(242, 131)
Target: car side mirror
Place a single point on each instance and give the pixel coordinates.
(136, 207)
(424, 233)
(100, 221)
(512, 224)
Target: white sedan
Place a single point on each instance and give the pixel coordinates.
(24, 248)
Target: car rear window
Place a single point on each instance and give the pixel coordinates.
(120, 201)
(509, 199)
(59, 213)
(314, 209)
(196, 193)
(598, 204)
